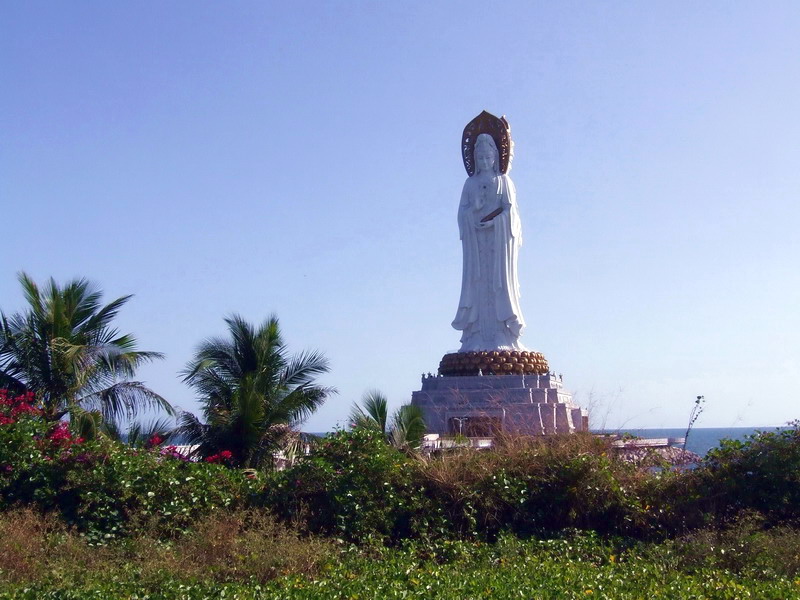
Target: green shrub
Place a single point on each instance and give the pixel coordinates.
(746, 547)
(353, 486)
(536, 486)
(357, 487)
(235, 557)
(761, 474)
(106, 489)
(243, 546)
(116, 490)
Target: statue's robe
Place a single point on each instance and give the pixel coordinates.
(489, 314)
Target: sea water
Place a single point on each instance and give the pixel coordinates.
(701, 439)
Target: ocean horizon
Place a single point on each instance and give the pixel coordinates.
(700, 440)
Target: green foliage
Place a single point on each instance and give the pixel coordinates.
(745, 546)
(229, 565)
(536, 487)
(404, 430)
(64, 349)
(356, 487)
(373, 412)
(115, 491)
(252, 392)
(105, 489)
(760, 474)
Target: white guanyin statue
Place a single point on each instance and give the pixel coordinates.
(489, 315)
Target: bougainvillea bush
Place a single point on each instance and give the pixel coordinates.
(104, 488)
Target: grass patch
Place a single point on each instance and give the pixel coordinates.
(249, 556)
(244, 546)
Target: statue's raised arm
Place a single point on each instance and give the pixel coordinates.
(489, 314)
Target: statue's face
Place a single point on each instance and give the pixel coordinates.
(484, 158)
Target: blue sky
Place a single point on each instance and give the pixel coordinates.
(303, 159)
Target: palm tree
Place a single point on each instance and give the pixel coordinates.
(64, 349)
(252, 392)
(406, 428)
(373, 412)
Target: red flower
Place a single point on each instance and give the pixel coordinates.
(155, 440)
(60, 433)
(18, 405)
(226, 455)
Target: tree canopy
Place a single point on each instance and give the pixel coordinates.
(252, 391)
(64, 348)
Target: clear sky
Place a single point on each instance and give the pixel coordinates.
(303, 158)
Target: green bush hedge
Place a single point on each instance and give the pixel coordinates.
(536, 487)
(105, 489)
(760, 473)
(356, 487)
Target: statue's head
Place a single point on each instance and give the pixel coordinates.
(486, 155)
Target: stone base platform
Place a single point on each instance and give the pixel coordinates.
(476, 406)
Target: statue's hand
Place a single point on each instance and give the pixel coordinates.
(485, 225)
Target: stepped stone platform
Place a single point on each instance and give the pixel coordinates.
(484, 405)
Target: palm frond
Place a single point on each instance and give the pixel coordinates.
(373, 412)
(408, 427)
(31, 292)
(125, 399)
(86, 424)
(250, 390)
(301, 403)
(305, 364)
(139, 434)
(101, 319)
(112, 430)
(64, 349)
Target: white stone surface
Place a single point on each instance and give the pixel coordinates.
(521, 404)
(489, 314)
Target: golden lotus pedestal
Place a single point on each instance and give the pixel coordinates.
(479, 394)
(493, 362)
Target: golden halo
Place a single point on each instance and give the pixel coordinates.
(500, 131)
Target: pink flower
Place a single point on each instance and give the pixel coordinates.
(60, 433)
(14, 406)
